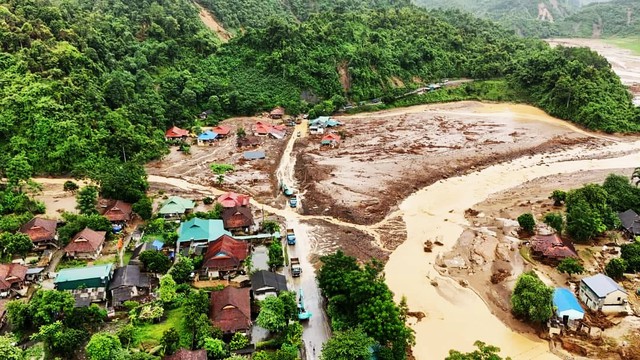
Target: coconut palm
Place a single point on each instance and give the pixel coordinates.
(636, 175)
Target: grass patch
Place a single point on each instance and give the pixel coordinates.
(147, 238)
(632, 43)
(525, 252)
(127, 256)
(35, 352)
(149, 335)
(110, 259)
(71, 263)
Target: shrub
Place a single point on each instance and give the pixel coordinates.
(527, 222)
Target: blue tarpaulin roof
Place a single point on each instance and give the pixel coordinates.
(207, 135)
(566, 304)
(157, 244)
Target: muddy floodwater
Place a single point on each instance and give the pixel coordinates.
(455, 316)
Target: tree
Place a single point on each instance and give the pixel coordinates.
(589, 213)
(18, 171)
(615, 268)
(276, 257)
(293, 334)
(527, 222)
(484, 352)
(196, 309)
(181, 271)
(216, 348)
(270, 226)
(349, 344)
(558, 197)
(631, 255)
(221, 169)
(126, 334)
(87, 200)
(170, 341)
(18, 315)
(59, 339)
(144, 208)
(88, 318)
(70, 186)
(15, 244)
(240, 133)
(272, 314)
(103, 346)
(75, 223)
(636, 175)
(570, 266)
(531, 299)
(47, 306)
(290, 304)
(167, 291)
(155, 261)
(121, 181)
(554, 220)
(238, 341)
(8, 350)
(621, 194)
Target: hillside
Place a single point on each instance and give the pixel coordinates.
(87, 82)
(618, 18)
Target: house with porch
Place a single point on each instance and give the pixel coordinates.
(207, 137)
(118, 211)
(231, 310)
(128, 283)
(196, 233)
(225, 256)
(12, 277)
(266, 283)
(176, 206)
(237, 218)
(176, 133)
(42, 232)
(87, 244)
(221, 131)
(87, 284)
(600, 292)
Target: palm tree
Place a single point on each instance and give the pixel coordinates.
(636, 175)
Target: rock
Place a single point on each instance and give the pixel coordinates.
(427, 246)
(463, 283)
(434, 282)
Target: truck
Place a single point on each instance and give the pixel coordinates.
(291, 237)
(296, 269)
(293, 201)
(287, 191)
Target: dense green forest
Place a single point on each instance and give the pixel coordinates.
(86, 84)
(618, 18)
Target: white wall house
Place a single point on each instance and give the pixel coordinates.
(600, 292)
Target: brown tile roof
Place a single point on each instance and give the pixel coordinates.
(225, 253)
(86, 241)
(176, 132)
(11, 274)
(232, 199)
(184, 354)
(237, 217)
(118, 211)
(221, 130)
(230, 309)
(39, 229)
(551, 246)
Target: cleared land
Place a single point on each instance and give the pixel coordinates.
(390, 154)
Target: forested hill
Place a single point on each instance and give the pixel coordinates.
(85, 83)
(617, 18)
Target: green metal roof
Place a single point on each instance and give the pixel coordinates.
(201, 229)
(176, 205)
(83, 273)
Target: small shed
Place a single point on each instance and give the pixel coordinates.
(254, 155)
(567, 306)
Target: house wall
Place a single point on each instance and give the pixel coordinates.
(589, 298)
(614, 302)
(96, 294)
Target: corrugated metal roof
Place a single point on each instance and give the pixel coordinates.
(89, 272)
(564, 300)
(201, 229)
(602, 285)
(253, 155)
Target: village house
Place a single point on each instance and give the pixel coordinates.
(225, 256)
(221, 131)
(128, 283)
(567, 307)
(205, 114)
(331, 139)
(317, 126)
(12, 277)
(176, 206)
(552, 248)
(87, 244)
(175, 133)
(42, 232)
(600, 292)
(87, 284)
(237, 218)
(196, 233)
(35, 275)
(231, 310)
(207, 137)
(232, 199)
(184, 354)
(630, 223)
(254, 155)
(266, 283)
(248, 141)
(261, 129)
(277, 113)
(118, 211)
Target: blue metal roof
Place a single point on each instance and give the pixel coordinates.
(157, 244)
(564, 299)
(207, 135)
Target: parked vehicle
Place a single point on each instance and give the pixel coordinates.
(291, 237)
(296, 269)
(303, 314)
(293, 201)
(286, 190)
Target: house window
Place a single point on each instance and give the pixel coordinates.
(618, 299)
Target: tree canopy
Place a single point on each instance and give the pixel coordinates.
(531, 299)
